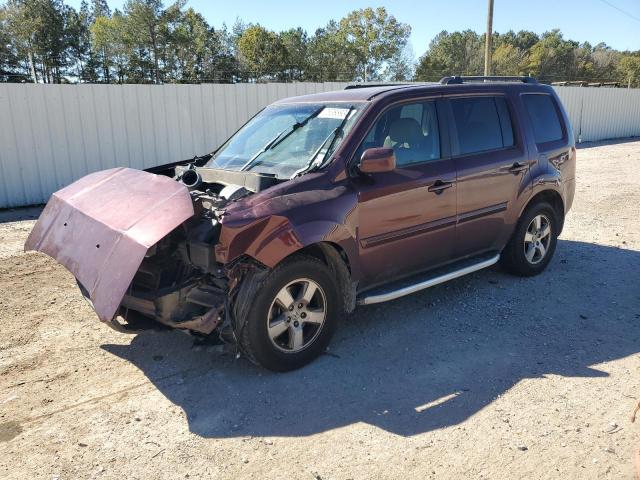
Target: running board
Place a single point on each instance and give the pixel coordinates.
(408, 287)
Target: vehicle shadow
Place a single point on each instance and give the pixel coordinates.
(603, 143)
(20, 214)
(423, 362)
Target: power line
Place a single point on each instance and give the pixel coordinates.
(630, 15)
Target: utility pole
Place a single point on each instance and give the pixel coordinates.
(488, 41)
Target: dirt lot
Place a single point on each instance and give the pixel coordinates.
(489, 376)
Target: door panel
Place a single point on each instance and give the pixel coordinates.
(488, 185)
(404, 227)
(407, 217)
(492, 166)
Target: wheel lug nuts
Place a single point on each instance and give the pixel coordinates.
(303, 315)
(299, 305)
(290, 307)
(296, 324)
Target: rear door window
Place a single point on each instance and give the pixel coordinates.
(544, 117)
(482, 124)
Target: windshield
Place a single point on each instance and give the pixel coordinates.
(286, 139)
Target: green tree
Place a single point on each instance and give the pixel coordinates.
(511, 52)
(629, 69)
(375, 37)
(605, 61)
(147, 35)
(187, 45)
(100, 55)
(100, 8)
(37, 30)
(329, 57)
(553, 58)
(109, 37)
(261, 52)
(143, 20)
(507, 60)
(457, 53)
(401, 67)
(295, 61)
(523, 40)
(48, 41)
(82, 63)
(10, 68)
(221, 61)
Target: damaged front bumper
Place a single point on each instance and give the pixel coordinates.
(102, 227)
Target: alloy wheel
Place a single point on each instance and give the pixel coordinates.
(537, 239)
(296, 315)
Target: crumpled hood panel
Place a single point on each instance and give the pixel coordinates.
(101, 227)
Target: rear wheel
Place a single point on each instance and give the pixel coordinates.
(534, 241)
(293, 315)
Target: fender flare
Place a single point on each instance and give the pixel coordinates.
(545, 182)
(276, 238)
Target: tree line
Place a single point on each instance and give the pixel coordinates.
(147, 41)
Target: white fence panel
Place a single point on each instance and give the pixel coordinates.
(51, 135)
(602, 113)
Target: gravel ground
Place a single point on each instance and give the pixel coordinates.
(489, 376)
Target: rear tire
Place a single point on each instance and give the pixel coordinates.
(533, 242)
(293, 315)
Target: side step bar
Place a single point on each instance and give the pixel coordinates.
(384, 296)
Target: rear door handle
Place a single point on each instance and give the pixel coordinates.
(439, 186)
(518, 167)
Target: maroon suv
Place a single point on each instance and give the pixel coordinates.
(320, 203)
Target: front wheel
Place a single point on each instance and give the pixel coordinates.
(534, 241)
(293, 315)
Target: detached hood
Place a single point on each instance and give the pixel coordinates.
(101, 227)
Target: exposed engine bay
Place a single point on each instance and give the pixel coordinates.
(179, 282)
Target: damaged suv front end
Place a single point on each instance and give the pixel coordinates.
(154, 247)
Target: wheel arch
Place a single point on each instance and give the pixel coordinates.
(336, 258)
(276, 240)
(551, 196)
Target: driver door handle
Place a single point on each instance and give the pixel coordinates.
(439, 186)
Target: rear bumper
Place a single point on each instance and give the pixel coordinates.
(101, 227)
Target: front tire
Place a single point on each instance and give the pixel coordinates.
(293, 315)
(533, 242)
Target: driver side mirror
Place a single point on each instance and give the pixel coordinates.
(377, 160)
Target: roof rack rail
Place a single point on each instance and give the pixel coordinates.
(374, 84)
(458, 80)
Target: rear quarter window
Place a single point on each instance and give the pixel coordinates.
(544, 117)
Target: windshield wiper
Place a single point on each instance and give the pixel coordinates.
(266, 147)
(279, 138)
(337, 132)
(296, 126)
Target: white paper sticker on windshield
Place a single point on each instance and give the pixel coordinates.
(338, 113)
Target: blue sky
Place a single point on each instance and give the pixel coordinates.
(582, 20)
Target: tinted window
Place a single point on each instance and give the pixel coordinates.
(544, 118)
(482, 123)
(410, 129)
(413, 110)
